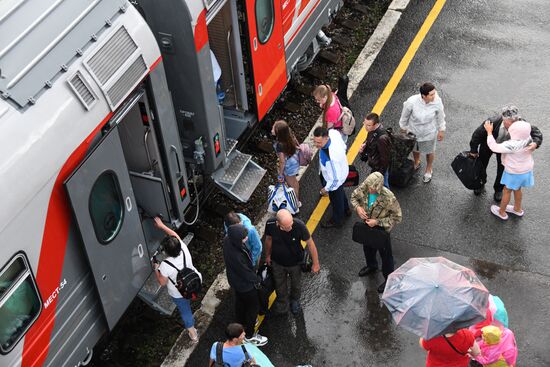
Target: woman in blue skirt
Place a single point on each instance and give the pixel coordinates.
(518, 166)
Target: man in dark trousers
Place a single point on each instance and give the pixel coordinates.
(284, 252)
(334, 169)
(244, 281)
(501, 123)
(376, 149)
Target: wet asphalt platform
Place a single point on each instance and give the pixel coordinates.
(480, 55)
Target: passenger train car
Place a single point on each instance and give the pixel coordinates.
(109, 112)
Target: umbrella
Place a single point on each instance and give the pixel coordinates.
(433, 296)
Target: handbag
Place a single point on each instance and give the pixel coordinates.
(353, 177)
(373, 237)
(307, 262)
(280, 196)
(267, 287)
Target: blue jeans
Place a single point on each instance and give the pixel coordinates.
(184, 306)
(387, 178)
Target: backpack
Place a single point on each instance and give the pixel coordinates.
(219, 357)
(305, 154)
(348, 121)
(280, 196)
(401, 146)
(188, 282)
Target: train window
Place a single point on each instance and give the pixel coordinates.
(19, 302)
(106, 207)
(265, 19)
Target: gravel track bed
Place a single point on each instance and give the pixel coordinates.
(143, 337)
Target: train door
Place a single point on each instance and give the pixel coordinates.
(105, 208)
(267, 51)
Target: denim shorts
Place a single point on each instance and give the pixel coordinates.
(292, 166)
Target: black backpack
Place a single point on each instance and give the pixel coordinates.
(188, 282)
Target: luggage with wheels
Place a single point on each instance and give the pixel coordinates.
(469, 170)
(400, 175)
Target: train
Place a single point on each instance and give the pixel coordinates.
(113, 112)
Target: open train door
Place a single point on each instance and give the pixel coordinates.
(267, 50)
(106, 212)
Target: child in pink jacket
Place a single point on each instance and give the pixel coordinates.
(518, 166)
(498, 347)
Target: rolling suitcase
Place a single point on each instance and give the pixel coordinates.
(400, 175)
(469, 170)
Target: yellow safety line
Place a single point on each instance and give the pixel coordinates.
(378, 108)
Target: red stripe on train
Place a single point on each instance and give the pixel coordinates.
(52, 253)
(201, 31)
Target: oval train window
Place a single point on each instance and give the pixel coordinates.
(265, 19)
(106, 207)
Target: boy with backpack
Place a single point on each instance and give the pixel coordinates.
(233, 352)
(376, 150)
(179, 275)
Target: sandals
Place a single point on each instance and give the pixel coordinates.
(495, 209)
(510, 209)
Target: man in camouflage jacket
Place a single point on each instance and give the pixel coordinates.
(379, 209)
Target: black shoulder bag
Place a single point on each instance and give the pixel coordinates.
(452, 346)
(247, 360)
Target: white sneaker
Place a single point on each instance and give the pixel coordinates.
(257, 339)
(427, 177)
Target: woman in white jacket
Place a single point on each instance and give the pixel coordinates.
(424, 116)
(334, 168)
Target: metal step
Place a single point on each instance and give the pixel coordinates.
(156, 296)
(230, 144)
(240, 178)
(235, 168)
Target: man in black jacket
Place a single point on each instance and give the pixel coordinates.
(377, 147)
(501, 123)
(244, 281)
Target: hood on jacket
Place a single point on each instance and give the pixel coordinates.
(520, 130)
(491, 334)
(236, 234)
(375, 181)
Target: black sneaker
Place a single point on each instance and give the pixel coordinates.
(497, 196)
(330, 224)
(479, 191)
(295, 307)
(367, 270)
(381, 287)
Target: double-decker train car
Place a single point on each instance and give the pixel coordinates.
(108, 111)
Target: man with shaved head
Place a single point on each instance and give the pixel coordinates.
(284, 252)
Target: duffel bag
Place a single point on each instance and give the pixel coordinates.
(353, 177)
(468, 170)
